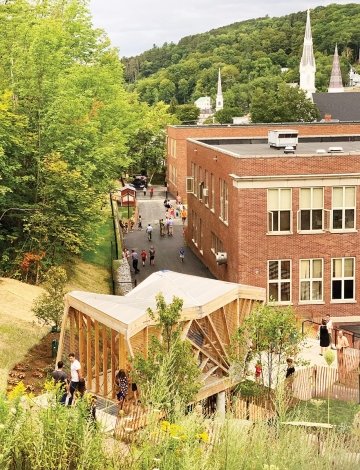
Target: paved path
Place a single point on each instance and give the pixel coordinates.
(167, 248)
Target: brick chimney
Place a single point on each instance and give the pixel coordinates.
(327, 118)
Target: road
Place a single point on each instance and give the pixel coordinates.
(167, 248)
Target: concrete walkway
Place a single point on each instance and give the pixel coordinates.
(167, 248)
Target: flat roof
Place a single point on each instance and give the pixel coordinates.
(262, 149)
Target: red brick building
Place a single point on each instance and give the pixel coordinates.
(288, 223)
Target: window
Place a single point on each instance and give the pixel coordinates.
(311, 280)
(311, 209)
(194, 227)
(224, 203)
(212, 198)
(206, 186)
(342, 279)
(196, 188)
(343, 208)
(190, 184)
(279, 210)
(279, 281)
(216, 244)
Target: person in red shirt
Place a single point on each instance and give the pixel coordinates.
(143, 256)
(258, 371)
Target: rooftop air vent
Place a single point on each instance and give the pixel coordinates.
(321, 151)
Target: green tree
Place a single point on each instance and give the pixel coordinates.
(286, 104)
(271, 333)
(187, 113)
(49, 306)
(169, 375)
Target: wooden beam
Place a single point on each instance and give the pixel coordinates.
(212, 342)
(113, 362)
(207, 355)
(186, 328)
(105, 360)
(208, 373)
(218, 337)
(203, 363)
(88, 352)
(81, 341)
(72, 330)
(122, 353)
(97, 357)
(226, 325)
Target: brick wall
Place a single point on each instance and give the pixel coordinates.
(181, 133)
(244, 238)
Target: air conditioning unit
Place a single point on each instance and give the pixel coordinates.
(205, 192)
(221, 257)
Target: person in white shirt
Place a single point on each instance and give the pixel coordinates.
(75, 370)
(329, 326)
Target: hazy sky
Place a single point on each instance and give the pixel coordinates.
(135, 25)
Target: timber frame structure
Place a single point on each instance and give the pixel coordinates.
(104, 331)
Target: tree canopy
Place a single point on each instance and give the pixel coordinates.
(67, 127)
(263, 49)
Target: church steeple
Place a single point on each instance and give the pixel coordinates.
(307, 64)
(219, 96)
(336, 83)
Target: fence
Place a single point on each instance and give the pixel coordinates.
(322, 381)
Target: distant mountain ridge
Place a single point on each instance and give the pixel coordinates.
(250, 53)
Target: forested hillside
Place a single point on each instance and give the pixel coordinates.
(250, 54)
(68, 129)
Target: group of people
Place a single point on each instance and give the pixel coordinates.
(72, 387)
(327, 339)
(133, 256)
(290, 369)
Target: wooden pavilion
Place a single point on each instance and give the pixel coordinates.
(104, 331)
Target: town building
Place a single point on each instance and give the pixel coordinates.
(286, 223)
(307, 64)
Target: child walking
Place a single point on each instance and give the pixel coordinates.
(143, 256)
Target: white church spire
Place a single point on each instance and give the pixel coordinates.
(336, 83)
(219, 96)
(307, 64)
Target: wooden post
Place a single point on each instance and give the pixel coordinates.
(122, 352)
(97, 357)
(72, 330)
(105, 360)
(113, 360)
(81, 341)
(88, 352)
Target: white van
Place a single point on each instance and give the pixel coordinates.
(283, 138)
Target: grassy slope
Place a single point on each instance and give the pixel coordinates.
(341, 413)
(19, 330)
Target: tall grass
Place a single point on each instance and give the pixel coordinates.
(57, 437)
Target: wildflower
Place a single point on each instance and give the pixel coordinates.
(204, 436)
(165, 426)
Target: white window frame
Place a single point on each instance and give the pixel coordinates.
(311, 279)
(279, 281)
(212, 183)
(342, 279)
(310, 209)
(343, 208)
(224, 201)
(189, 185)
(216, 243)
(279, 232)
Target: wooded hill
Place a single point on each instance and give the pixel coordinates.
(250, 53)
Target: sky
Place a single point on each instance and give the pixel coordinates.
(135, 25)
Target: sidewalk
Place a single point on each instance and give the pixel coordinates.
(167, 248)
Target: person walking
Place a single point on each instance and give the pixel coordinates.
(151, 192)
(149, 230)
(258, 371)
(75, 374)
(143, 256)
(290, 370)
(135, 261)
(324, 337)
(182, 254)
(162, 228)
(122, 387)
(139, 222)
(152, 256)
(329, 326)
(170, 227)
(183, 215)
(61, 381)
(144, 190)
